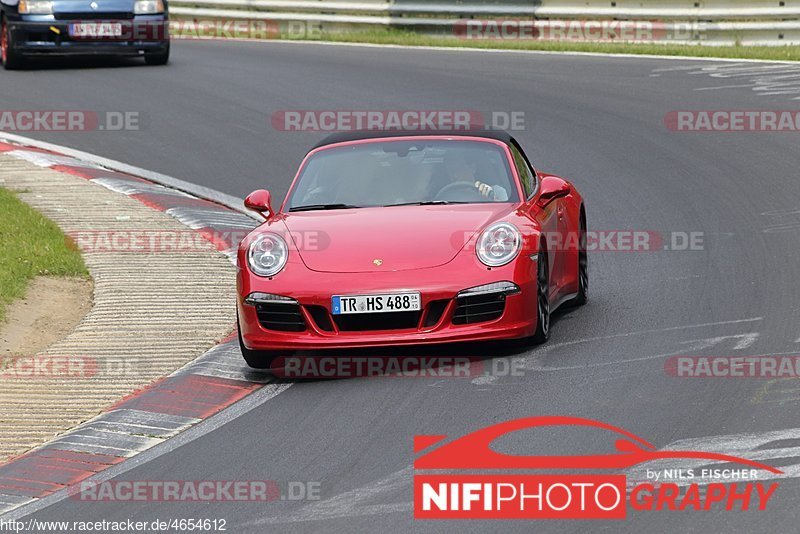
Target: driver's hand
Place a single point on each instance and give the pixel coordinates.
(484, 189)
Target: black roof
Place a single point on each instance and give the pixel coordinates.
(344, 137)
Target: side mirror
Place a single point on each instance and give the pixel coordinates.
(551, 188)
(259, 201)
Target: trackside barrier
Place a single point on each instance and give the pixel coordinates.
(710, 22)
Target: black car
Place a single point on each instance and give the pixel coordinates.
(83, 27)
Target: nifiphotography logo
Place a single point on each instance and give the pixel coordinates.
(466, 479)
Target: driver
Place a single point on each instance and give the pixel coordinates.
(461, 168)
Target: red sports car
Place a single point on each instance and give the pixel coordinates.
(389, 238)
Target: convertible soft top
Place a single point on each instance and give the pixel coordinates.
(344, 137)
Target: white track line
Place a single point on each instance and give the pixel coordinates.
(493, 50)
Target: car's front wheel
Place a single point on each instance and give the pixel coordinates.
(9, 57)
(257, 359)
(542, 333)
(157, 58)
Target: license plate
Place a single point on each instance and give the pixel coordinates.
(95, 29)
(388, 302)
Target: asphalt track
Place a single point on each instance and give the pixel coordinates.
(597, 121)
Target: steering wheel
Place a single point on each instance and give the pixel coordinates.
(467, 189)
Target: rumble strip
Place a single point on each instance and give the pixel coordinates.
(163, 299)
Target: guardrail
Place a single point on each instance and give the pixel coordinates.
(712, 22)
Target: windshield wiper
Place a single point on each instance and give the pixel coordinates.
(427, 203)
(311, 207)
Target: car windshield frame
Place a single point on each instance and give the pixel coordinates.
(291, 204)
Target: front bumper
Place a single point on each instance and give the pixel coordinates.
(45, 35)
(316, 328)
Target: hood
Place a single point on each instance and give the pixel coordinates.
(388, 239)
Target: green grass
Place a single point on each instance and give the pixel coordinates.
(398, 37)
(30, 246)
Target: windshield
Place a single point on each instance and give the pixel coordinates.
(390, 173)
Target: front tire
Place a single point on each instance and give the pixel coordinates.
(583, 269)
(257, 359)
(9, 57)
(542, 333)
(157, 58)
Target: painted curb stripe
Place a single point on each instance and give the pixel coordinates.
(189, 395)
(167, 407)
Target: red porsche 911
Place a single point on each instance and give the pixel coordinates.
(395, 238)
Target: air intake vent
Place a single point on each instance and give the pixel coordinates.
(280, 316)
(479, 308)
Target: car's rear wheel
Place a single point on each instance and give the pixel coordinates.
(157, 58)
(583, 269)
(257, 359)
(9, 57)
(542, 333)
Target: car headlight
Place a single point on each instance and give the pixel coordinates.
(35, 7)
(148, 7)
(499, 244)
(267, 255)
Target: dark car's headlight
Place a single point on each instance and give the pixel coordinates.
(499, 244)
(148, 7)
(267, 255)
(35, 7)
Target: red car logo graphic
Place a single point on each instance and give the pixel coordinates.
(474, 451)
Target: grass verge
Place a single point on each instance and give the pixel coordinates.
(30, 245)
(399, 37)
